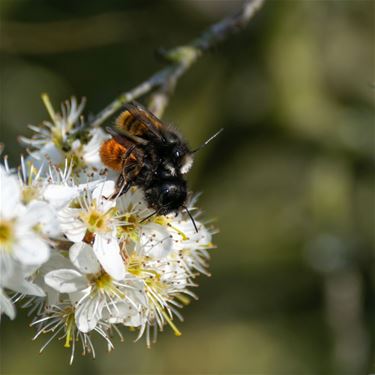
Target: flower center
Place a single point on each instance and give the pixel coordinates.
(132, 222)
(76, 159)
(96, 221)
(135, 265)
(28, 194)
(130, 228)
(6, 234)
(104, 281)
(138, 267)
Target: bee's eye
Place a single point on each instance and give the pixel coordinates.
(166, 189)
(177, 153)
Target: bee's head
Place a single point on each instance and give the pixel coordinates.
(167, 195)
(181, 157)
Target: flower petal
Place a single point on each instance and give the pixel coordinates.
(29, 288)
(70, 224)
(31, 250)
(83, 257)
(107, 250)
(9, 195)
(48, 151)
(60, 195)
(6, 306)
(41, 213)
(66, 281)
(101, 193)
(88, 314)
(134, 202)
(156, 240)
(91, 150)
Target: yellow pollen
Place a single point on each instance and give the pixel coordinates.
(6, 234)
(75, 203)
(96, 220)
(180, 232)
(171, 324)
(28, 194)
(135, 266)
(48, 105)
(184, 299)
(104, 281)
(162, 220)
(70, 325)
(131, 223)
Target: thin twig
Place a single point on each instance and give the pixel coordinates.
(181, 58)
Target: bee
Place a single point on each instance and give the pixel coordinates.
(151, 155)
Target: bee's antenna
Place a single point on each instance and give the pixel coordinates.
(191, 218)
(151, 215)
(208, 141)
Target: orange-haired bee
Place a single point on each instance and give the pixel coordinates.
(149, 154)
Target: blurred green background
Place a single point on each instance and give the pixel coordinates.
(290, 181)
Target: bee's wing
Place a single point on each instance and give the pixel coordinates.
(120, 134)
(138, 121)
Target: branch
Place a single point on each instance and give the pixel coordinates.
(181, 59)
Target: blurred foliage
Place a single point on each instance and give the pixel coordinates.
(291, 180)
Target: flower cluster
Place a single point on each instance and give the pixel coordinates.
(83, 260)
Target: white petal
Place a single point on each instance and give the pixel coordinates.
(48, 151)
(31, 250)
(60, 195)
(89, 186)
(103, 189)
(107, 251)
(156, 241)
(6, 265)
(134, 202)
(101, 193)
(9, 195)
(66, 281)
(83, 257)
(88, 314)
(17, 281)
(119, 312)
(30, 289)
(91, 150)
(70, 224)
(55, 261)
(135, 320)
(41, 213)
(76, 298)
(186, 236)
(52, 296)
(6, 306)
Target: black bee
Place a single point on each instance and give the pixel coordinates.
(152, 155)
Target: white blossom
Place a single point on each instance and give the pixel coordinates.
(91, 289)
(94, 221)
(82, 258)
(20, 240)
(63, 138)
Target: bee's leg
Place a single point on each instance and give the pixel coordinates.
(128, 175)
(128, 152)
(122, 186)
(125, 180)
